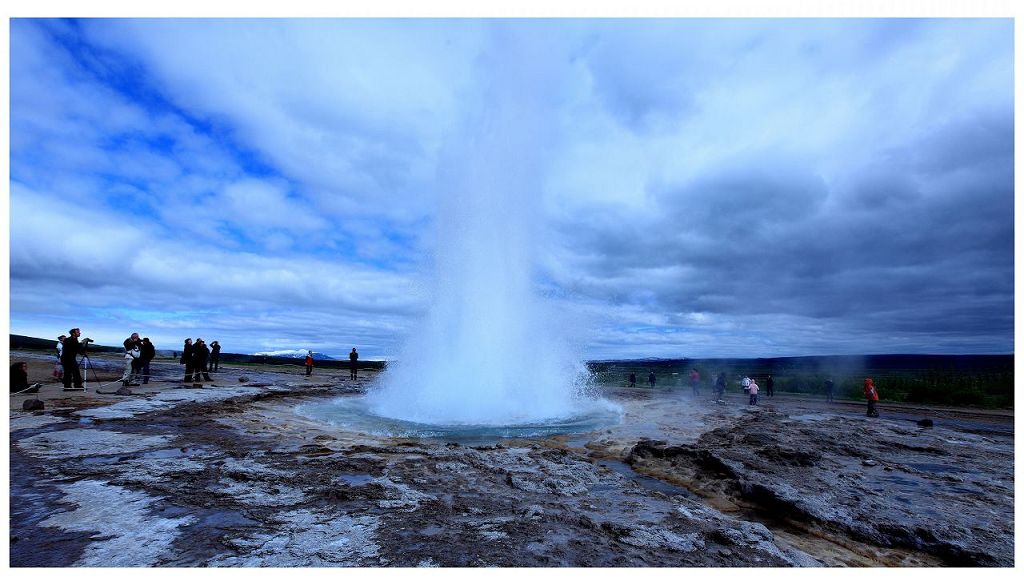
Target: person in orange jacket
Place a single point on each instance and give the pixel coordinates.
(309, 363)
(872, 395)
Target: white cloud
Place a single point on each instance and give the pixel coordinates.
(761, 174)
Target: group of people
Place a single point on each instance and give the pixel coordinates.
(751, 388)
(138, 353)
(199, 359)
(353, 359)
(651, 379)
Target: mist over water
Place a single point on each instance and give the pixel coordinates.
(491, 351)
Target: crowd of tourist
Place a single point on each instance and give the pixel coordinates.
(752, 390)
(198, 359)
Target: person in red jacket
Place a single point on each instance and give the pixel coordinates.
(872, 395)
(309, 363)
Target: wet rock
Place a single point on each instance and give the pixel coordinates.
(306, 539)
(400, 496)
(32, 404)
(785, 456)
(243, 379)
(124, 391)
(659, 539)
(926, 423)
(847, 492)
(132, 537)
(79, 442)
(32, 421)
(533, 512)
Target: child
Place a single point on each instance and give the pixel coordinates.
(753, 392)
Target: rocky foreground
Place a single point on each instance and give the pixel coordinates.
(230, 475)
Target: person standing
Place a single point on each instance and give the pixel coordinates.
(632, 379)
(720, 385)
(829, 386)
(58, 368)
(69, 359)
(214, 356)
(872, 396)
(309, 363)
(746, 383)
(695, 382)
(186, 358)
(651, 379)
(200, 353)
(132, 353)
(753, 392)
(353, 358)
(769, 386)
(147, 354)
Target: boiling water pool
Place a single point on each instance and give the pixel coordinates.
(353, 414)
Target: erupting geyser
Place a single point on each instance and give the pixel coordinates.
(491, 351)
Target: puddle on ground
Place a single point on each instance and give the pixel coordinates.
(648, 482)
(936, 468)
(173, 453)
(356, 479)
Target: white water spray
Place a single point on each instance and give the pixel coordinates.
(490, 351)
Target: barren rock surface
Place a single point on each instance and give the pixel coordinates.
(230, 475)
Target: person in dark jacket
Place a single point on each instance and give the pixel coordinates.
(69, 359)
(147, 354)
(651, 379)
(353, 359)
(632, 379)
(720, 385)
(829, 389)
(769, 386)
(19, 379)
(214, 356)
(186, 358)
(200, 354)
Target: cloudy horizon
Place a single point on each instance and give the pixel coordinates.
(712, 187)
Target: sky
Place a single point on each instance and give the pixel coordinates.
(710, 187)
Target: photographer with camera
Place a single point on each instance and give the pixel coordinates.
(132, 351)
(69, 359)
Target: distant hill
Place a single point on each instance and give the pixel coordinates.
(25, 342)
(293, 353)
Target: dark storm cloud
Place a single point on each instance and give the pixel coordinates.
(917, 241)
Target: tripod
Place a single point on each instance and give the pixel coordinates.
(85, 365)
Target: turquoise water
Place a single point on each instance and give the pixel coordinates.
(354, 414)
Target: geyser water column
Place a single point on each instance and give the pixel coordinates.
(490, 350)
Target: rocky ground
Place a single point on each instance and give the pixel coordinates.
(230, 475)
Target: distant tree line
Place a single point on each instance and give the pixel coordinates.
(984, 381)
